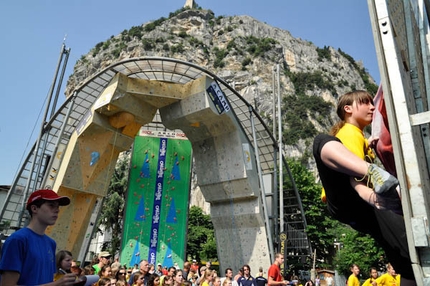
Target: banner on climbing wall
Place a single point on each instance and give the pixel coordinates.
(155, 223)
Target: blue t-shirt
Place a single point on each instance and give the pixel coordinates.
(243, 281)
(31, 255)
(260, 281)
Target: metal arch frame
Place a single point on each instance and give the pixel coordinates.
(167, 70)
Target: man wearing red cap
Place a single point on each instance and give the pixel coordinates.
(28, 255)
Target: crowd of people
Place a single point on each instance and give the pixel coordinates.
(105, 272)
(389, 278)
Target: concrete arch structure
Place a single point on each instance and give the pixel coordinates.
(233, 150)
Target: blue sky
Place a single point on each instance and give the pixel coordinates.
(33, 31)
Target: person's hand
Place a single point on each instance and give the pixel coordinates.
(286, 282)
(373, 141)
(390, 200)
(67, 279)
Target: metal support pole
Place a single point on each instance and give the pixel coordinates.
(36, 150)
(274, 101)
(66, 52)
(281, 174)
(275, 191)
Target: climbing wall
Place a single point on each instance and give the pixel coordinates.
(157, 202)
(225, 162)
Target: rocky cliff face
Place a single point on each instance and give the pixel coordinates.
(243, 51)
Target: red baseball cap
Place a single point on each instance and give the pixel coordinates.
(47, 195)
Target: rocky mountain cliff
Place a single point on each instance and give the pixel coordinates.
(244, 51)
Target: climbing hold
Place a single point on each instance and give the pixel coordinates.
(95, 156)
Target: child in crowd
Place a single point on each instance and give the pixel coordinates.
(64, 260)
(353, 278)
(390, 278)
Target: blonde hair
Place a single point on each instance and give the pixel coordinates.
(359, 96)
(226, 282)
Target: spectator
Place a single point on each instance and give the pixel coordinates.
(202, 271)
(178, 279)
(105, 271)
(159, 270)
(121, 275)
(64, 259)
(353, 278)
(274, 273)
(373, 275)
(144, 268)
(260, 280)
(191, 274)
(104, 259)
(28, 255)
(172, 271)
(75, 269)
(193, 280)
(238, 275)
(138, 279)
(246, 279)
(228, 272)
(390, 278)
(116, 263)
(89, 270)
(207, 278)
(112, 280)
(195, 266)
(216, 281)
(260, 272)
(104, 281)
(153, 280)
(166, 280)
(186, 269)
(227, 282)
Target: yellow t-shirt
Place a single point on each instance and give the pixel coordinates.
(368, 282)
(353, 280)
(388, 280)
(353, 139)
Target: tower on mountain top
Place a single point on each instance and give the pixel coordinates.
(190, 4)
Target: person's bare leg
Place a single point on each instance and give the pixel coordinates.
(337, 157)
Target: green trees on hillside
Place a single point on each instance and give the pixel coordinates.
(298, 110)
